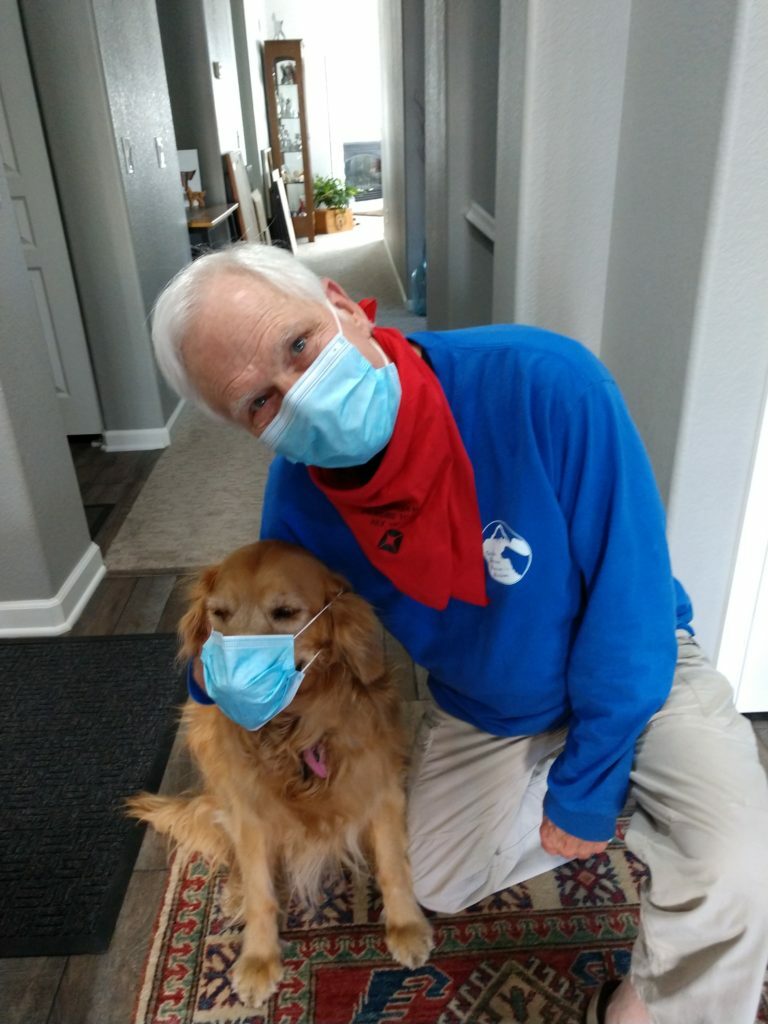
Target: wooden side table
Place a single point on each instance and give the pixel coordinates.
(201, 220)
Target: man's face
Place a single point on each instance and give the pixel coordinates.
(250, 343)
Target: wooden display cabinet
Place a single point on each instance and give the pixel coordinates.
(288, 133)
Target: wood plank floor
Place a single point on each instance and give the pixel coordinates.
(102, 989)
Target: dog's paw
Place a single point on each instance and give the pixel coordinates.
(410, 943)
(256, 978)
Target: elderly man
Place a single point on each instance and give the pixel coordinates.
(486, 490)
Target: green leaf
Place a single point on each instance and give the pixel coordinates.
(332, 193)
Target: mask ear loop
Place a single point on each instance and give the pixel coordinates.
(328, 605)
(318, 615)
(372, 340)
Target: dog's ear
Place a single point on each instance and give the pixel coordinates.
(194, 626)
(357, 635)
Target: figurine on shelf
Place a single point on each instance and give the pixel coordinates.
(302, 211)
(287, 73)
(195, 198)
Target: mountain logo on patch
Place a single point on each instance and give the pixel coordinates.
(507, 554)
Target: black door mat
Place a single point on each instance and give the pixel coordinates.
(85, 722)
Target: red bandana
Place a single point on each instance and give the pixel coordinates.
(417, 518)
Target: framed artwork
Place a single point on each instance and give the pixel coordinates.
(189, 170)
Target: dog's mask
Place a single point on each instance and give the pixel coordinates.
(276, 588)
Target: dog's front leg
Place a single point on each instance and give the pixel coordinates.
(259, 967)
(408, 933)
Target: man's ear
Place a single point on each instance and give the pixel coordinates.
(358, 636)
(194, 626)
(341, 301)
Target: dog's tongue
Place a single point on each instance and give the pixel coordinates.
(314, 758)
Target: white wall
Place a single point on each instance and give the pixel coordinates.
(343, 91)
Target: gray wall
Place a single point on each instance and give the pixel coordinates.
(206, 111)
(461, 80)
(141, 111)
(570, 103)
(184, 36)
(413, 123)
(248, 21)
(97, 74)
(510, 146)
(678, 66)
(226, 90)
(43, 532)
(393, 133)
(725, 401)
(632, 196)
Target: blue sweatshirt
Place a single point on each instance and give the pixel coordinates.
(580, 628)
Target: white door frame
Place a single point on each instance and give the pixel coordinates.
(743, 654)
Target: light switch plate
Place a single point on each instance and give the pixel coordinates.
(159, 149)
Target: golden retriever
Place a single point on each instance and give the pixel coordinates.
(263, 810)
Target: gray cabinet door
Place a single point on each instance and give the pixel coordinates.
(25, 159)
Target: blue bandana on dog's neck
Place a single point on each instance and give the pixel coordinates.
(195, 691)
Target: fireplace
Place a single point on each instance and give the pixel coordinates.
(362, 168)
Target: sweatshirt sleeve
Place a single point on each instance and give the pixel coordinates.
(279, 503)
(624, 650)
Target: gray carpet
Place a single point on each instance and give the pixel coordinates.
(201, 501)
(203, 498)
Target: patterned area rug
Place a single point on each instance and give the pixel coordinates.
(530, 953)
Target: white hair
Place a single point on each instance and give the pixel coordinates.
(179, 301)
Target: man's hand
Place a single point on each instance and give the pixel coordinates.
(562, 844)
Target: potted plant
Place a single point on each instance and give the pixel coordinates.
(332, 212)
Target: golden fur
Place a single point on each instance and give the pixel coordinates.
(261, 810)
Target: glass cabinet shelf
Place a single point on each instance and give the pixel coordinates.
(284, 66)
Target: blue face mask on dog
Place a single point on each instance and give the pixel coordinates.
(253, 678)
(340, 412)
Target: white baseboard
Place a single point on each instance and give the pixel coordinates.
(142, 440)
(170, 426)
(136, 440)
(55, 615)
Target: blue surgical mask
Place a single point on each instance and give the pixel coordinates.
(340, 412)
(253, 678)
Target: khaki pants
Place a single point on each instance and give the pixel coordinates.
(475, 806)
